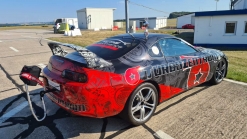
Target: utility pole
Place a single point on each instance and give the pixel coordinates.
(127, 16)
(216, 4)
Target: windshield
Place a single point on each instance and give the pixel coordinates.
(58, 21)
(113, 48)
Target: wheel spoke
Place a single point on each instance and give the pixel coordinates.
(220, 74)
(223, 67)
(220, 65)
(136, 108)
(146, 106)
(217, 75)
(139, 94)
(142, 113)
(148, 95)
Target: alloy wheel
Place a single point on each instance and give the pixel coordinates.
(143, 104)
(220, 71)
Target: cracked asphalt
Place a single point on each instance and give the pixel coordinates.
(205, 111)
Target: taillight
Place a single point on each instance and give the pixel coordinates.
(74, 76)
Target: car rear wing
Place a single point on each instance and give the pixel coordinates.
(93, 61)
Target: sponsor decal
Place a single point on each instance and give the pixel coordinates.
(198, 69)
(132, 76)
(155, 50)
(113, 44)
(106, 46)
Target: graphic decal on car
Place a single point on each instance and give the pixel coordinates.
(137, 56)
(199, 69)
(106, 46)
(187, 69)
(132, 76)
(113, 44)
(198, 77)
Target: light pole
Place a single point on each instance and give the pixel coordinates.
(216, 4)
(127, 16)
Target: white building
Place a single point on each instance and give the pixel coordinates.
(185, 19)
(240, 4)
(154, 22)
(91, 18)
(219, 29)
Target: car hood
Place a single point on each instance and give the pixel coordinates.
(211, 51)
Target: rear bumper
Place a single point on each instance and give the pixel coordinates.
(105, 94)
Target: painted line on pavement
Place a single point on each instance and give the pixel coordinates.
(162, 135)
(41, 65)
(236, 82)
(13, 112)
(14, 49)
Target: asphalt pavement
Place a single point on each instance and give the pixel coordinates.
(206, 111)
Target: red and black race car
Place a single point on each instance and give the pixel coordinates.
(128, 74)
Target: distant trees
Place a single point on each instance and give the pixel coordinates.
(177, 14)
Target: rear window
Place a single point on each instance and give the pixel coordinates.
(113, 48)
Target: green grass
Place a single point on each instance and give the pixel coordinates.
(237, 65)
(172, 22)
(27, 27)
(90, 37)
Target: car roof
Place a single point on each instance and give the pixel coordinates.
(142, 36)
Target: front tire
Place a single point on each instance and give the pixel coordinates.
(219, 73)
(141, 105)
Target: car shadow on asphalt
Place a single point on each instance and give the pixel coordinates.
(65, 125)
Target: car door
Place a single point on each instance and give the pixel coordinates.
(185, 64)
(158, 69)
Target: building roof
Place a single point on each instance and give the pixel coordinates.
(141, 18)
(192, 14)
(84, 9)
(148, 18)
(220, 13)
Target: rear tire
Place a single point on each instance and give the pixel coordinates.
(141, 104)
(219, 73)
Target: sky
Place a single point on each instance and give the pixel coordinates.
(19, 11)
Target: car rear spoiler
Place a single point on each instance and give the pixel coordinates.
(93, 61)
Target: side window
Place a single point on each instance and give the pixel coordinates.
(231, 28)
(174, 47)
(155, 51)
